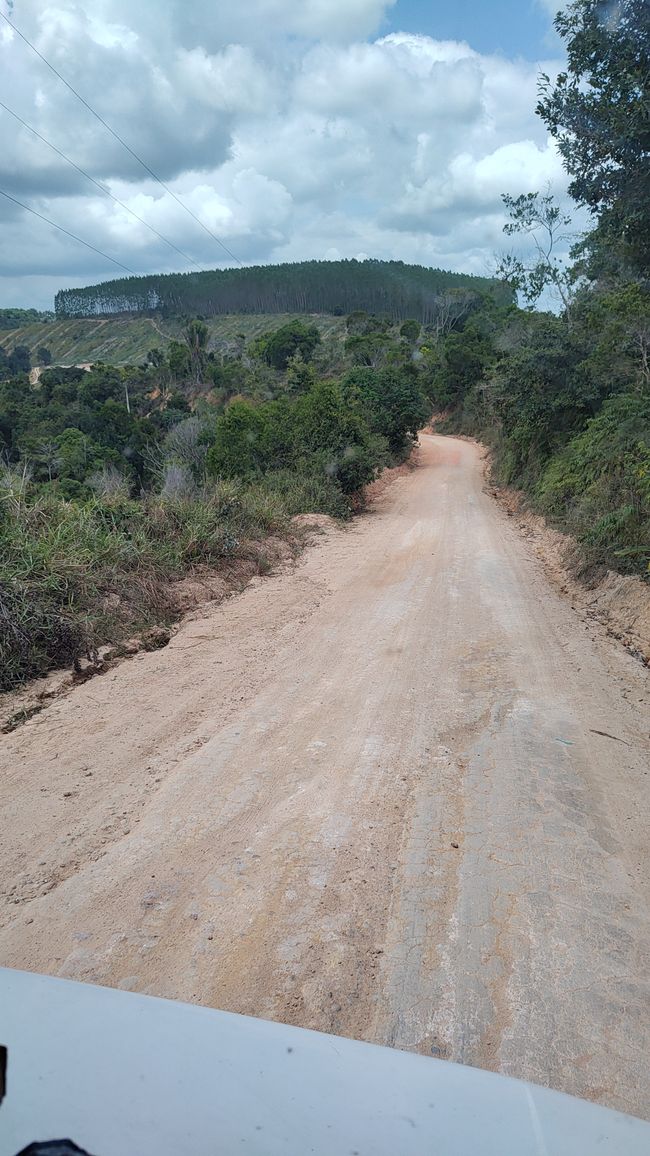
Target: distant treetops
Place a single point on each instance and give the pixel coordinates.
(339, 287)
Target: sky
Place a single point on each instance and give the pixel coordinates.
(509, 27)
(320, 129)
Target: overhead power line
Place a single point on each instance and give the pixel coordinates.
(102, 188)
(67, 232)
(118, 138)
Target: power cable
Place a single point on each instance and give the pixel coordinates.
(120, 140)
(67, 232)
(98, 184)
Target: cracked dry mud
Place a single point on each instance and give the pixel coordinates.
(371, 795)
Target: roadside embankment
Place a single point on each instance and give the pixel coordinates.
(620, 601)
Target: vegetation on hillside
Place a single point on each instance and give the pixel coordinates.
(565, 400)
(127, 340)
(14, 318)
(386, 287)
(116, 480)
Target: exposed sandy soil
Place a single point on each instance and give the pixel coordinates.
(397, 792)
(620, 601)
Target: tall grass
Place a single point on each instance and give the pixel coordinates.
(76, 575)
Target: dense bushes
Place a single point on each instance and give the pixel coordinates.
(16, 361)
(598, 486)
(278, 347)
(392, 401)
(113, 482)
(564, 403)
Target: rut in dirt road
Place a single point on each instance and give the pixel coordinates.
(371, 796)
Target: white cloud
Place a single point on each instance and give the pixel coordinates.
(336, 20)
(286, 148)
(210, 24)
(230, 81)
(402, 80)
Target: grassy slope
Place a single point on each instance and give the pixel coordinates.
(126, 341)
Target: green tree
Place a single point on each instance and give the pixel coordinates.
(410, 330)
(196, 338)
(332, 438)
(613, 322)
(279, 347)
(300, 375)
(60, 384)
(465, 358)
(103, 383)
(179, 361)
(597, 110)
(356, 321)
(600, 485)
(79, 455)
(542, 394)
(20, 359)
(242, 444)
(391, 401)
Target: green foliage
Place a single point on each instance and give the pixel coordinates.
(462, 361)
(543, 394)
(18, 361)
(613, 323)
(246, 441)
(14, 318)
(73, 422)
(599, 485)
(305, 493)
(330, 438)
(322, 432)
(410, 330)
(61, 560)
(116, 480)
(79, 456)
(196, 338)
(598, 112)
(179, 359)
(392, 402)
(130, 340)
(369, 341)
(300, 374)
(306, 287)
(356, 321)
(279, 347)
(565, 409)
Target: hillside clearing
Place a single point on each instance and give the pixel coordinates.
(126, 341)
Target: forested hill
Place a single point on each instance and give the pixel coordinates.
(338, 287)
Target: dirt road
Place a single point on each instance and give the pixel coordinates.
(370, 796)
